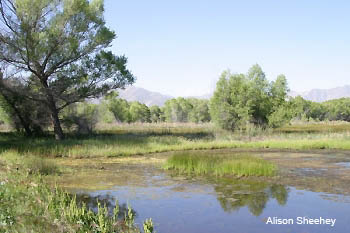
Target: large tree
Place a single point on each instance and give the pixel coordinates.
(57, 47)
(242, 99)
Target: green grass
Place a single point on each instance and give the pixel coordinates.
(315, 128)
(139, 139)
(239, 165)
(30, 163)
(28, 204)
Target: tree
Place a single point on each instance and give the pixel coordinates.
(139, 112)
(119, 107)
(241, 99)
(58, 48)
(177, 110)
(230, 105)
(338, 109)
(200, 110)
(156, 114)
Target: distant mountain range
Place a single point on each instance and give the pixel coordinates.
(144, 96)
(321, 95)
(150, 98)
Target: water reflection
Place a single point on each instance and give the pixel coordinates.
(209, 204)
(107, 200)
(234, 194)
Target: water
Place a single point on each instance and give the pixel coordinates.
(344, 164)
(206, 205)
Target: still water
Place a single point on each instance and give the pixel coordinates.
(182, 204)
(209, 204)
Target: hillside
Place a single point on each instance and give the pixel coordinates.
(142, 95)
(321, 95)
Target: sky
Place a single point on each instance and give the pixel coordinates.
(181, 47)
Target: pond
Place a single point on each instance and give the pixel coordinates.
(210, 204)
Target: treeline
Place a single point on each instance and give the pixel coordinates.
(239, 101)
(174, 110)
(300, 109)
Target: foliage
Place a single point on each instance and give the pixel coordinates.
(240, 165)
(176, 110)
(28, 204)
(139, 112)
(157, 114)
(148, 226)
(21, 113)
(337, 110)
(303, 110)
(243, 99)
(59, 49)
(82, 117)
(139, 139)
(200, 111)
(119, 107)
(186, 110)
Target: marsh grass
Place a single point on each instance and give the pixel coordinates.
(30, 163)
(28, 204)
(137, 139)
(40, 165)
(219, 165)
(315, 127)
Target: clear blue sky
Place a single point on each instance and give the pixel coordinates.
(181, 47)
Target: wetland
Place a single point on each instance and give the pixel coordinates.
(310, 185)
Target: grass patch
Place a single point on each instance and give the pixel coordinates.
(30, 163)
(139, 139)
(239, 165)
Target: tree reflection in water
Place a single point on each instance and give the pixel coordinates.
(108, 200)
(234, 194)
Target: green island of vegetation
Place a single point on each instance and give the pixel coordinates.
(239, 165)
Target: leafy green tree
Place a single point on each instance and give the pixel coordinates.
(58, 48)
(177, 110)
(230, 104)
(139, 112)
(337, 110)
(200, 110)
(279, 91)
(241, 99)
(156, 114)
(282, 115)
(119, 107)
(105, 115)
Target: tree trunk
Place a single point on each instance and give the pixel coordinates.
(54, 113)
(57, 125)
(55, 119)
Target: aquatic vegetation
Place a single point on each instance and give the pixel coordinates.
(148, 226)
(29, 204)
(240, 165)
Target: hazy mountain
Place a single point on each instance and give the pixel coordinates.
(149, 98)
(321, 95)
